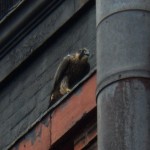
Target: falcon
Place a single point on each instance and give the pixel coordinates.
(70, 71)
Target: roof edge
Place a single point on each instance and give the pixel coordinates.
(22, 20)
(53, 107)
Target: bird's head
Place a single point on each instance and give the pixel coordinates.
(83, 54)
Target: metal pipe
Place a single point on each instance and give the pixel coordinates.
(123, 74)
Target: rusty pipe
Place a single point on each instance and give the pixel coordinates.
(123, 74)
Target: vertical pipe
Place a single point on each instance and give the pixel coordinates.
(123, 74)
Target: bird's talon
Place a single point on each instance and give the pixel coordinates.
(52, 97)
(68, 90)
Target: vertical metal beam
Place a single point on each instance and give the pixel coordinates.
(123, 74)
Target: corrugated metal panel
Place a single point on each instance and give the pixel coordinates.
(6, 6)
(54, 125)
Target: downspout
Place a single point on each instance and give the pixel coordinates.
(123, 74)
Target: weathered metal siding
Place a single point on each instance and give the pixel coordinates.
(63, 119)
(123, 54)
(36, 139)
(6, 6)
(123, 114)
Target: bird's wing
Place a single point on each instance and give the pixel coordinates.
(61, 70)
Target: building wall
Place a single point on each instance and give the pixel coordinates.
(27, 71)
(71, 125)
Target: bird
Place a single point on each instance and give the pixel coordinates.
(70, 71)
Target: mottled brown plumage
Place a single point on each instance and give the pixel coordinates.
(71, 70)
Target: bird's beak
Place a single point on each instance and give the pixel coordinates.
(87, 53)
